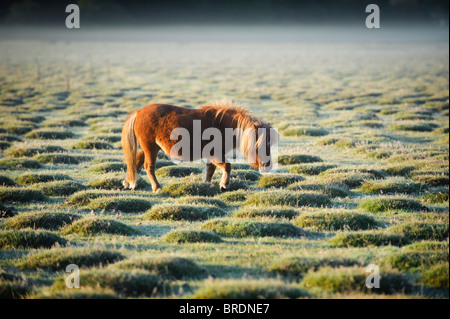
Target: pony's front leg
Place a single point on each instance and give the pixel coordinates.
(225, 181)
(210, 169)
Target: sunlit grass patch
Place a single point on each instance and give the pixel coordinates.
(353, 279)
(16, 194)
(199, 200)
(245, 228)
(335, 220)
(191, 236)
(270, 211)
(298, 266)
(41, 220)
(20, 163)
(34, 178)
(123, 204)
(288, 198)
(298, 159)
(182, 212)
(60, 258)
(368, 239)
(384, 204)
(170, 267)
(46, 134)
(421, 230)
(177, 171)
(59, 187)
(92, 226)
(29, 239)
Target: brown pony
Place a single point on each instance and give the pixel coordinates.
(153, 126)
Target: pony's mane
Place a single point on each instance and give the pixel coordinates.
(241, 116)
(243, 119)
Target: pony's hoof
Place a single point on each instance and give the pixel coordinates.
(223, 189)
(157, 191)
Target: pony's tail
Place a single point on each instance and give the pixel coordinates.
(129, 146)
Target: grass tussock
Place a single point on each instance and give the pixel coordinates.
(59, 188)
(29, 239)
(168, 267)
(115, 183)
(33, 178)
(392, 187)
(120, 203)
(298, 159)
(331, 190)
(353, 279)
(177, 171)
(41, 220)
(421, 230)
(384, 204)
(336, 220)
(57, 159)
(310, 169)
(234, 196)
(436, 276)
(24, 195)
(199, 200)
(108, 167)
(20, 163)
(288, 198)
(245, 174)
(414, 261)
(189, 188)
(137, 283)
(45, 134)
(270, 211)
(248, 289)
(59, 259)
(6, 181)
(92, 226)
(244, 228)
(368, 239)
(279, 180)
(298, 266)
(191, 236)
(182, 212)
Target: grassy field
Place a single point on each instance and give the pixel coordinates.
(363, 176)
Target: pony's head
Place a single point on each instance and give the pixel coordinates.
(259, 153)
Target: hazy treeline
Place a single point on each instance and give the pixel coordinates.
(141, 12)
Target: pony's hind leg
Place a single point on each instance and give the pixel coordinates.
(225, 180)
(210, 169)
(151, 152)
